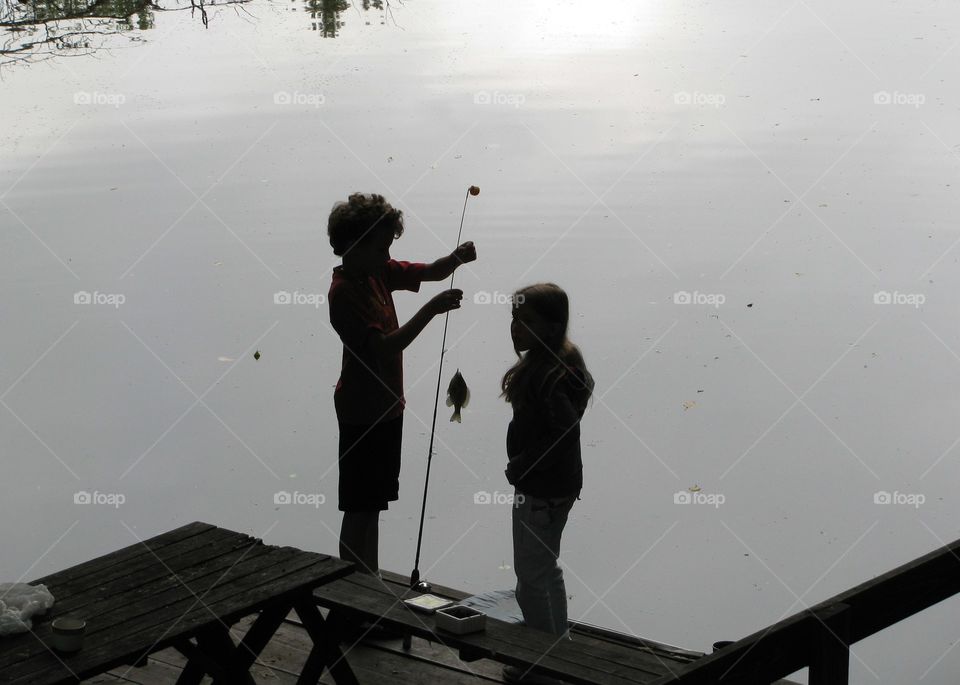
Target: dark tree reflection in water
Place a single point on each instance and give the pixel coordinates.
(325, 14)
(32, 30)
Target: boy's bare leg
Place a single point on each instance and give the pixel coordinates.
(372, 551)
(355, 540)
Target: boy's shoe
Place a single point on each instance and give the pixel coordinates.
(514, 674)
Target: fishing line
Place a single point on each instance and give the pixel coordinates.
(415, 574)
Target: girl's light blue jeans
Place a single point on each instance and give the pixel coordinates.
(537, 528)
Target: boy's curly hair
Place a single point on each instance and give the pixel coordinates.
(361, 217)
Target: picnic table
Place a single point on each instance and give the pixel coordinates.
(182, 589)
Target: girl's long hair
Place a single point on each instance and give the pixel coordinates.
(537, 372)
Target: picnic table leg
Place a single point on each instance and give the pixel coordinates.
(260, 633)
(198, 664)
(216, 642)
(326, 648)
(192, 674)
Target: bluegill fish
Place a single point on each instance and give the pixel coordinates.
(458, 395)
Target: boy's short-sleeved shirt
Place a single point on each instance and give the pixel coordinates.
(369, 390)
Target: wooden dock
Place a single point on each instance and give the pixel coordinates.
(386, 661)
(247, 619)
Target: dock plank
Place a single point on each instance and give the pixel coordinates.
(98, 565)
(145, 560)
(503, 642)
(589, 634)
(157, 671)
(152, 581)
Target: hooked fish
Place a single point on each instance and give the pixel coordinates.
(458, 395)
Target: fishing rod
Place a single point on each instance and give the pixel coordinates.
(415, 574)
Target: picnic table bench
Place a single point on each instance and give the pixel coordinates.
(182, 589)
(583, 660)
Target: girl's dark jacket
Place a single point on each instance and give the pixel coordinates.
(543, 442)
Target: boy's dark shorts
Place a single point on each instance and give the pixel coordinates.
(369, 459)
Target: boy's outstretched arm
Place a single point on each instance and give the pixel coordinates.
(398, 341)
(445, 266)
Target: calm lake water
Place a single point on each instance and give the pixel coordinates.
(751, 204)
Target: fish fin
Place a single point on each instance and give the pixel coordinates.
(449, 401)
(456, 416)
(466, 399)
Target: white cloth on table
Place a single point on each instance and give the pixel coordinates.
(19, 603)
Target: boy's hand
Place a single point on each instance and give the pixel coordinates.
(465, 253)
(444, 301)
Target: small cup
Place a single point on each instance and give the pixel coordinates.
(67, 636)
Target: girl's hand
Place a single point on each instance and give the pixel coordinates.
(444, 301)
(465, 253)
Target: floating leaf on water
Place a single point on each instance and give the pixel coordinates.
(256, 355)
(689, 404)
(694, 488)
(226, 359)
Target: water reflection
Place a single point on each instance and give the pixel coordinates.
(32, 30)
(325, 14)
